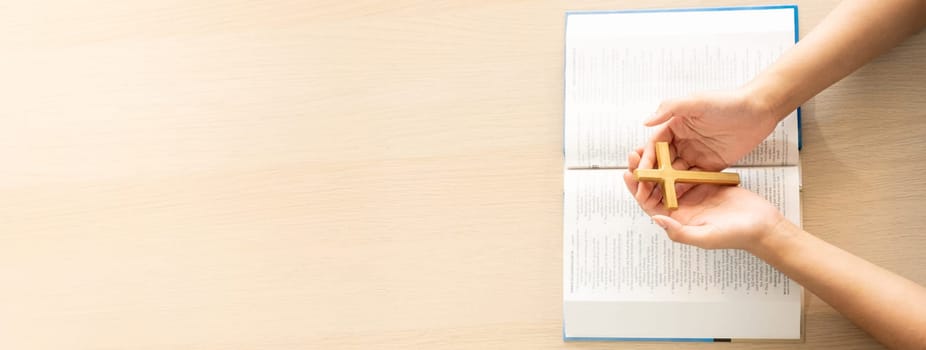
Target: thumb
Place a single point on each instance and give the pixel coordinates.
(676, 107)
(694, 235)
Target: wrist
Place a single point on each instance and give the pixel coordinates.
(776, 241)
(767, 96)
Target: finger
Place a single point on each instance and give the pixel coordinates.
(640, 190)
(697, 235)
(643, 189)
(656, 194)
(630, 182)
(651, 207)
(673, 108)
(648, 155)
(645, 193)
(664, 112)
(633, 161)
(662, 133)
(655, 198)
(682, 188)
(680, 164)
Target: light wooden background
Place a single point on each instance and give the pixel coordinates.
(352, 174)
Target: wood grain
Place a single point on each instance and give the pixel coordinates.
(351, 174)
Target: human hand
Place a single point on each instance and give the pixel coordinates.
(712, 130)
(710, 216)
(707, 131)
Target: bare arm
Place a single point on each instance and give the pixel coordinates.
(854, 33)
(713, 130)
(889, 307)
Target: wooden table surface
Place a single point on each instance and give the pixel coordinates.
(353, 174)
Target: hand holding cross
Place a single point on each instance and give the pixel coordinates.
(666, 176)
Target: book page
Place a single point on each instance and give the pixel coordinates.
(620, 66)
(616, 257)
(613, 251)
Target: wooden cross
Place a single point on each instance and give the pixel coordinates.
(666, 176)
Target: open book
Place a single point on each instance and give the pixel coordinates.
(623, 279)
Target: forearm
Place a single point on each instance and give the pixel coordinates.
(889, 307)
(854, 33)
